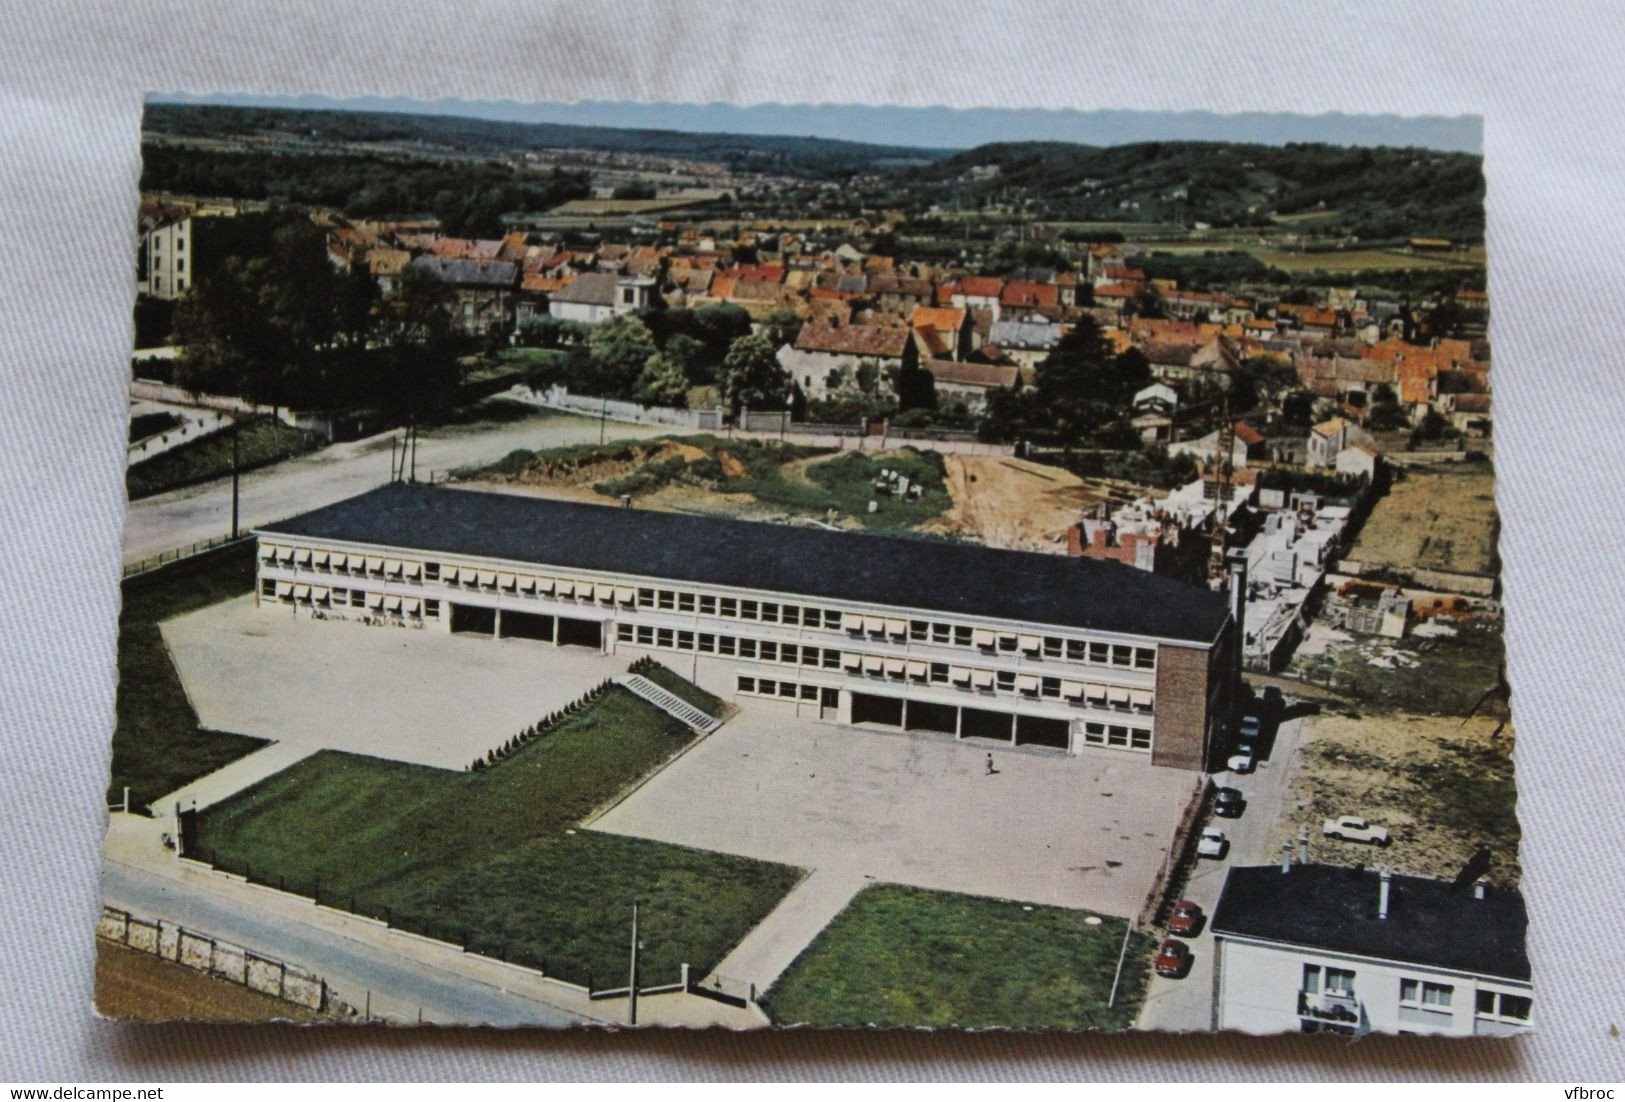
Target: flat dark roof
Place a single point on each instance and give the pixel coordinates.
(939, 575)
(1430, 922)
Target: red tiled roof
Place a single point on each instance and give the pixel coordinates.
(1025, 292)
(981, 286)
(856, 340)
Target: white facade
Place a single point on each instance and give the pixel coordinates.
(962, 676)
(167, 271)
(1270, 987)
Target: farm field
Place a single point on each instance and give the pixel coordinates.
(907, 957)
(1442, 786)
(1440, 518)
(491, 859)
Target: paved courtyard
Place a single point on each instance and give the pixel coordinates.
(921, 810)
(417, 696)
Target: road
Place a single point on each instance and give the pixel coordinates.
(1186, 1004)
(363, 974)
(197, 513)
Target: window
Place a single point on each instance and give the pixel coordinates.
(747, 684)
(668, 599)
(1099, 653)
(1139, 738)
(708, 606)
(1145, 658)
(685, 602)
(939, 672)
(1502, 1004)
(1052, 647)
(962, 636)
(431, 572)
(708, 643)
(790, 614)
(1094, 733)
(431, 608)
(268, 587)
(1433, 996)
(770, 612)
(664, 637)
(685, 640)
(1007, 643)
(180, 266)
(358, 598)
(725, 644)
(747, 648)
(812, 617)
(646, 635)
(1331, 981)
(646, 598)
(787, 689)
(1122, 656)
(831, 659)
(1051, 686)
(624, 633)
(942, 633)
(1007, 681)
(809, 656)
(749, 610)
(1076, 650)
(919, 630)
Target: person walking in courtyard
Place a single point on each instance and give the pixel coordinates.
(990, 769)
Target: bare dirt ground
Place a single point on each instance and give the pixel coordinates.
(1013, 503)
(1442, 786)
(136, 986)
(1438, 519)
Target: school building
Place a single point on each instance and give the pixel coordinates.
(928, 635)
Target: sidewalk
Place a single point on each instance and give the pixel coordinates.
(403, 977)
(770, 948)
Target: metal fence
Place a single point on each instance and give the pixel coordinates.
(164, 558)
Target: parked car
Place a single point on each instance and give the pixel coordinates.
(1250, 727)
(1186, 920)
(1243, 760)
(1173, 958)
(1352, 828)
(1229, 803)
(1213, 844)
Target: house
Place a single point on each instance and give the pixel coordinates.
(1156, 398)
(1469, 413)
(1360, 460)
(386, 266)
(593, 297)
(1326, 440)
(941, 638)
(1024, 342)
(1255, 443)
(482, 291)
(978, 293)
(1317, 948)
(967, 385)
(827, 358)
(942, 332)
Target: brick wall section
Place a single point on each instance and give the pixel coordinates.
(1182, 707)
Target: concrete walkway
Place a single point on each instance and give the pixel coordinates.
(231, 779)
(773, 945)
(403, 977)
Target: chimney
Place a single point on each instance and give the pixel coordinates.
(1303, 845)
(1382, 893)
(1286, 858)
(1479, 887)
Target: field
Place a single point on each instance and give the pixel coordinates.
(622, 206)
(260, 444)
(139, 987)
(1439, 518)
(1439, 668)
(157, 743)
(906, 957)
(745, 478)
(1357, 260)
(1014, 503)
(1443, 787)
(491, 859)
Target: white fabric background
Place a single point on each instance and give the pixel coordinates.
(1548, 79)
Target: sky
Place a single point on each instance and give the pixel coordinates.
(925, 127)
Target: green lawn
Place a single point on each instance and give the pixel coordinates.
(490, 859)
(907, 957)
(846, 483)
(682, 687)
(157, 743)
(260, 444)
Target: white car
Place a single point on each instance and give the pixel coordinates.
(1213, 844)
(1352, 828)
(1243, 760)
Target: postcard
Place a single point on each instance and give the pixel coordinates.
(595, 575)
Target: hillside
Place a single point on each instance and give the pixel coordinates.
(779, 154)
(1375, 194)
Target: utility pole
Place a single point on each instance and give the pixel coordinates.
(392, 457)
(235, 425)
(603, 417)
(632, 978)
(414, 430)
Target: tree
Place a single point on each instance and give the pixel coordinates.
(781, 327)
(915, 386)
(662, 382)
(752, 377)
(1081, 384)
(1147, 303)
(357, 299)
(619, 349)
(419, 348)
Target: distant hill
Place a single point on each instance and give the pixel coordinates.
(789, 155)
(1372, 193)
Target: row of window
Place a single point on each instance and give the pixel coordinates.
(1137, 701)
(985, 640)
(1113, 734)
(321, 596)
(1421, 994)
(784, 690)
